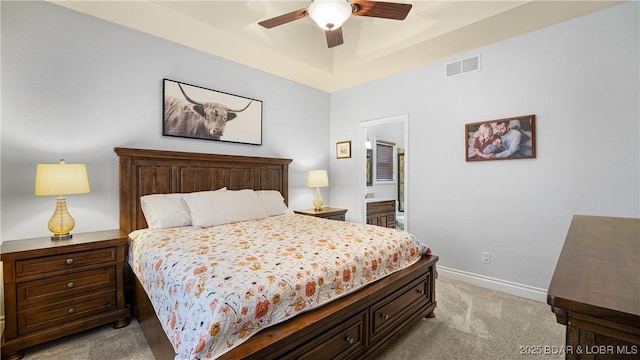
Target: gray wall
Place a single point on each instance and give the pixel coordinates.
(580, 78)
(75, 87)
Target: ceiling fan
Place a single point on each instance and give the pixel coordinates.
(329, 15)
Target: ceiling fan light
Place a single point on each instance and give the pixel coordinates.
(329, 14)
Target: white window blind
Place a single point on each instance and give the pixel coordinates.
(385, 161)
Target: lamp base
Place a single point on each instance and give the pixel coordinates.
(317, 200)
(62, 236)
(61, 223)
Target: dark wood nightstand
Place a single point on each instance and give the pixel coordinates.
(56, 288)
(326, 213)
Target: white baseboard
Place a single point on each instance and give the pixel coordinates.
(504, 286)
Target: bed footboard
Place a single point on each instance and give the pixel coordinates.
(142, 310)
(356, 326)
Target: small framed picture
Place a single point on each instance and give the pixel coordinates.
(343, 150)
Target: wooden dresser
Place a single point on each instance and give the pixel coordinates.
(595, 289)
(382, 213)
(326, 213)
(56, 288)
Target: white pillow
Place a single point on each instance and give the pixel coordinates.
(165, 211)
(273, 202)
(210, 208)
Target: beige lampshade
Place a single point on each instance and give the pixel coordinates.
(61, 179)
(317, 178)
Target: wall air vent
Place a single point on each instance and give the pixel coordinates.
(463, 66)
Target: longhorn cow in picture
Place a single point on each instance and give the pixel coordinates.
(186, 117)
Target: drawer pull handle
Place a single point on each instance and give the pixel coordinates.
(384, 316)
(70, 284)
(69, 261)
(349, 340)
(71, 310)
(420, 291)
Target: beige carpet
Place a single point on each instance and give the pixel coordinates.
(471, 323)
(474, 323)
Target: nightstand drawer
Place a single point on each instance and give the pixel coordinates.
(65, 286)
(42, 317)
(339, 217)
(50, 264)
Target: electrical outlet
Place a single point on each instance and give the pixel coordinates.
(486, 257)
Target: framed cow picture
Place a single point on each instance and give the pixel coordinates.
(195, 112)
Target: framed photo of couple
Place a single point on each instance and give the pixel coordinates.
(502, 139)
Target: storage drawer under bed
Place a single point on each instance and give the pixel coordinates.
(398, 308)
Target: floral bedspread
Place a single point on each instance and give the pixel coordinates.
(212, 288)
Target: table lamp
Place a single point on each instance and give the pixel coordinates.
(317, 179)
(61, 179)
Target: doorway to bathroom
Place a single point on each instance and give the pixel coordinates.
(385, 169)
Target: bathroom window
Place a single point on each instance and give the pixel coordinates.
(385, 161)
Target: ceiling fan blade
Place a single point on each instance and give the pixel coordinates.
(283, 19)
(380, 9)
(334, 37)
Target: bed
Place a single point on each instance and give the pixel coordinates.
(356, 325)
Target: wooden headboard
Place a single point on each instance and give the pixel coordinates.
(144, 172)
